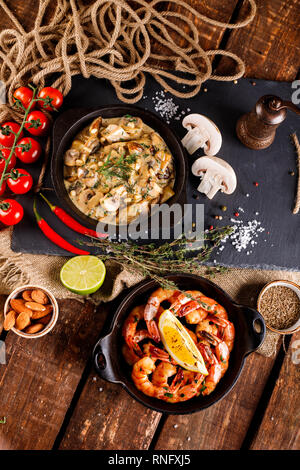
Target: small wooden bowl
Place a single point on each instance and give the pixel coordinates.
(282, 283)
(16, 293)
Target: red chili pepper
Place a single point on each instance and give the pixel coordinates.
(54, 237)
(72, 223)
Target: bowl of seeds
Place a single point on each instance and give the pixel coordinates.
(279, 304)
(30, 311)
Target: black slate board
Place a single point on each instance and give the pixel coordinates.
(278, 247)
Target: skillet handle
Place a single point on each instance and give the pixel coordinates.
(256, 329)
(102, 360)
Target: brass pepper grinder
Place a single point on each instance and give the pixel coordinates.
(257, 129)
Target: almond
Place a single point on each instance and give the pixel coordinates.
(35, 328)
(39, 296)
(22, 321)
(45, 320)
(18, 305)
(35, 306)
(36, 314)
(26, 294)
(10, 320)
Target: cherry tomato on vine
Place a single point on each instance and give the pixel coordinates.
(28, 150)
(37, 123)
(20, 181)
(3, 188)
(25, 95)
(6, 137)
(53, 96)
(11, 212)
(4, 154)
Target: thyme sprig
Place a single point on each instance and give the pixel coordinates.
(179, 255)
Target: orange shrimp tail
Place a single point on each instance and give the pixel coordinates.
(153, 330)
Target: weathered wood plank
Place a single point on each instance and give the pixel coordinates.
(270, 45)
(280, 428)
(224, 425)
(220, 10)
(106, 417)
(39, 380)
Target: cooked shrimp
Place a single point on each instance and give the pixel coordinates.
(157, 353)
(213, 377)
(196, 316)
(140, 376)
(211, 306)
(207, 327)
(131, 335)
(152, 308)
(162, 373)
(185, 298)
(228, 333)
(192, 335)
(188, 391)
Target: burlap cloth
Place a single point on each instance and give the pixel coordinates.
(16, 269)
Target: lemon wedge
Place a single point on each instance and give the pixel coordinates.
(179, 344)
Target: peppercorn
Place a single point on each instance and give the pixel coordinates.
(292, 173)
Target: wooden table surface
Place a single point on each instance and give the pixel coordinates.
(50, 394)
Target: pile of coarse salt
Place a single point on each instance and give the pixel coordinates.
(244, 235)
(167, 108)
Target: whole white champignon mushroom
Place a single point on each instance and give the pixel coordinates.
(202, 133)
(216, 175)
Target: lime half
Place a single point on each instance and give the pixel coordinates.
(83, 275)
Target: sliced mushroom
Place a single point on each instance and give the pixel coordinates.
(95, 126)
(91, 180)
(202, 133)
(111, 203)
(82, 172)
(132, 125)
(83, 198)
(114, 133)
(135, 148)
(216, 175)
(85, 149)
(71, 156)
(76, 188)
(70, 173)
(94, 200)
(112, 200)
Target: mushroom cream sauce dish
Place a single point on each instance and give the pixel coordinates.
(158, 171)
(117, 167)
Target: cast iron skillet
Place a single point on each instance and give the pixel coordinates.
(68, 124)
(250, 332)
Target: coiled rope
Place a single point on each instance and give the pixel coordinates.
(111, 39)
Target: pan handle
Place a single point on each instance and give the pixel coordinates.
(256, 328)
(102, 360)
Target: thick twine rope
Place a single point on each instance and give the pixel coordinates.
(110, 39)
